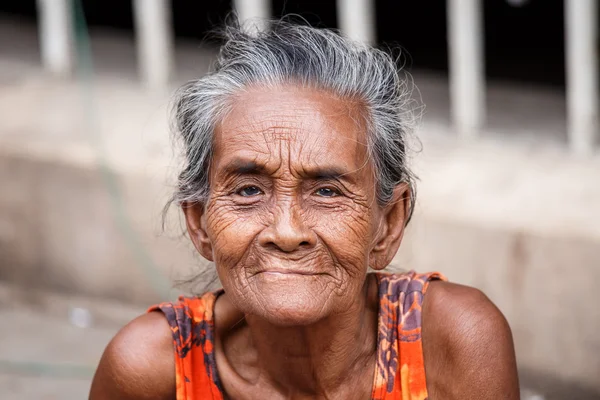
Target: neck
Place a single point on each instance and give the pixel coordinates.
(320, 359)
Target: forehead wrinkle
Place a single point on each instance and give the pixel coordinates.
(225, 145)
(281, 127)
(303, 114)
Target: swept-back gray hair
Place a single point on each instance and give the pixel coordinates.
(310, 57)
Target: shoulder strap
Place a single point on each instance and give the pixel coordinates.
(192, 326)
(400, 371)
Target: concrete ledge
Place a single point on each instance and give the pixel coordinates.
(61, 227)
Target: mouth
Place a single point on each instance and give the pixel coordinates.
(280, 272)
(294, 265)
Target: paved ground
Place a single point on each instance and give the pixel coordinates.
(44, 354)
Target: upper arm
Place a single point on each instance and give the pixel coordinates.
(138, 363)
(467, 345)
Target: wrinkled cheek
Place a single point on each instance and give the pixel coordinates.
(231, 236)
(348, 238)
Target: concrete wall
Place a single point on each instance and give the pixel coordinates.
(61, 228)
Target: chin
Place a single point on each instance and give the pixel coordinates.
(288, 315)
(291, 300)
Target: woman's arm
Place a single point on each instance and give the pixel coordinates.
(138, 363)
(468, 346)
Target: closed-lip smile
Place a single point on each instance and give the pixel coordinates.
(288, 272)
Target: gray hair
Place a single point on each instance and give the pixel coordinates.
(310, 57)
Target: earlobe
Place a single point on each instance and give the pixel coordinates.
(195, 219)
(382, 233)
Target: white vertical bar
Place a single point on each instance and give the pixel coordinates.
(466, 65)
(581, 36)
(154, 35)
(356, 19)
(257, 12)
(56, 34)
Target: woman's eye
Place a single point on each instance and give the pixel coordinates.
(249, 191)
(327, 192)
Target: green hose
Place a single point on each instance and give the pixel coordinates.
(85, 73)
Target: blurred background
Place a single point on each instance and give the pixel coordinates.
(509, 167)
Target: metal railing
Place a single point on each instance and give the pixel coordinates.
(154, 34)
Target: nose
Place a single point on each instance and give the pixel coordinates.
(287, 231)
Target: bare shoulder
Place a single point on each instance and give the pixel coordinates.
(138, 363)
(467, 345)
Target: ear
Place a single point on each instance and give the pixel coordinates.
(195, 220)
(391, 229)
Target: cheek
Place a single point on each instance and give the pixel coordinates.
(231, 232)
(348, 235)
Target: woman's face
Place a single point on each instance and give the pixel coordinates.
(292, 220)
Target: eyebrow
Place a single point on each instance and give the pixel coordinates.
(239, 166)
(324, 173)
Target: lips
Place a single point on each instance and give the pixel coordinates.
(280, 264)
(289, 272)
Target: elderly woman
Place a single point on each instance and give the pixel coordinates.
(296, 184)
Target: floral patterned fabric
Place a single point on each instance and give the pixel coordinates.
(399, 370)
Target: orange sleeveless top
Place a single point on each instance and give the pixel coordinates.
(399, 370)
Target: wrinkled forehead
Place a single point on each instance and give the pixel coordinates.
(293, 125)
